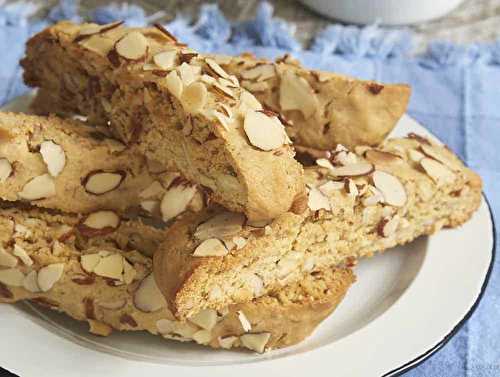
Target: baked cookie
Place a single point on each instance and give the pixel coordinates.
(104, 280)
(180, 108)
(357, 204)
(322, 109)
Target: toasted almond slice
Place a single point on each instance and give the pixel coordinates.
(148, 297)
(210, 248)
(264, 132)
(98, 44)
(245, 323)
(100, 182)
(437, 154)
(6, 259)
(437, 171)
(240, 242)
(375, 197)
(227, 342)
(255, 87)
(353, 170)
(174, 84)
(255, 342)
(216, 68)
(30, 282)
(297, 94)
(92, 28)
(5, 169)
(154, 190)
(151, 206)
(40, 187)
(382, 158)
(223, 119)
(259, 73)
(202, 337)
(208, 79)
(49, 275)
(351, 188)
(388, 226)
(415, 155)
(12, 277)
(391, 188)
(328, 188)
(23, 255)
(317, 200)
(129, 272)
(110, 266)
(222, 225)
(223, 90)
(165, 326)
(89, 262)
(176, 200)
(194, 97)
(133, 46)
(206, 319)
(186, 74)
(165, 59)
(102, 220)
(249, 100)
(324, 163)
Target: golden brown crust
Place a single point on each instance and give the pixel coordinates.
(323, 109)
(288, 315)
(405, 194)
(172, 118)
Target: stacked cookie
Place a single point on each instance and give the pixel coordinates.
(179, 206)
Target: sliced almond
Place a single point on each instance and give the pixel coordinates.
(324, 163)
(297, 94)
(12, 277)
(255, 342)
(176, 200)
(90, 29)
(150, 206)
(133, 46)
(351, 188)
(186, 73)
(437, 171)
(388, 226)
(5, 169)
(129, 272)
(100, 182)
(240, 242)
(382, 158)
(249, 100)
(210, 248)
(391, 188)
(165, 326)
(353, 170)
(89, 262)
(22, 231)
(148, 297)
(194, 97)
(30, 282)
(330, 187)
(216, 68)
(174, 84)
(415, 155)
(23, 255)
(318, 201)
(6, 259)
(40, 187)
(222, 225)
(227, 342)
(166, 59)
(259, 73)
(49, 275)
(437, 154)
(154, 190)
(54, 157)
(98, 44)
(110, 266)
(223, 90)
(202, 337)
(223, 119)
(206, 319)
(264, 132)
(245, 323)
(99, 223)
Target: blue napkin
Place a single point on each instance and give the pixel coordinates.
(456, 94)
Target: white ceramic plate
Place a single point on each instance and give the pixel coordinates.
(406, 304)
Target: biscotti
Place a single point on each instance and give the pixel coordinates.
(357, 204)
(69, 166)
(103, 280)
(322, 109)
(181, 108)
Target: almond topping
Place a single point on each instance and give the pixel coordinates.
(166, 59)
(437, 171)
(100, 182)
(245, 323)
(264, 132)
(110, 266)
(324, 163)
(206, 319)
(328, 188)
(49, 275)
(12, 277)
(104, 221)
(202, 337)
(186, 73)
(148, 297)
(353, 170)
(437, 154)
(194, 97)
(317, 200)
(5, 169)
(176, 200)
(210, 248)
(222, 225)
(174, 84)
(388, 226)
(259, 73)
(23, 255)
(382, 158)
(415, 155)
(227, 342)
(53, 156)
(30, 282)
(297, 94)
(216, 68)
(133, 46)
(89, 262)
(391, 188)
(6, 259)
(255, 342)
(40, 187)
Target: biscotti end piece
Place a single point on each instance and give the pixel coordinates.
(322, 109)
(104, 281)
(358, 204)
(180, 108)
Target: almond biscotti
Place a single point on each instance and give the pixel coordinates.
(181, 108)
(357, 204)
(69, 166)
(322, 109)
(103, 280)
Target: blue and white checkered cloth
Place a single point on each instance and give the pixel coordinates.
(456, 94)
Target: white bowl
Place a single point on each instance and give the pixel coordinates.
(388, 12)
